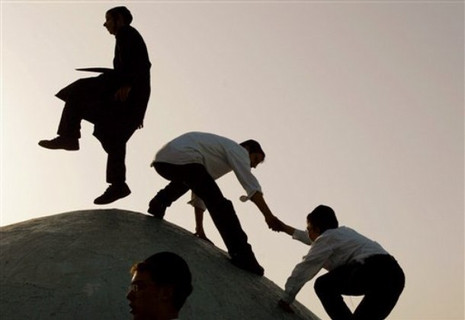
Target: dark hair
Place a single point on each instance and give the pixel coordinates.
(323, 218)
(168, 269)
(122, 12)
(253, 147)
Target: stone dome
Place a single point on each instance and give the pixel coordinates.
(76, 266)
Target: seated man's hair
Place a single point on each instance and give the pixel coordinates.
(168, 269)
(323, 218)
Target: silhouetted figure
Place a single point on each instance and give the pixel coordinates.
(115, 102)
(159, 287)
(357, 266)
(193, 161)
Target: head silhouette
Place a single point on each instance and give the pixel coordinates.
(160, 286)
(322, 218)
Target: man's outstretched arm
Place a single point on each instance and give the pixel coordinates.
(287, 229)
(273, 222)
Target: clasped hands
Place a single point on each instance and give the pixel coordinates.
(274, 223)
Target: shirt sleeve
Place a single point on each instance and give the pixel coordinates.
(241, 167)
(306, 270)
(302, 236)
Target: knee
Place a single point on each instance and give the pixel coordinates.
(326, 286)
(320, 286)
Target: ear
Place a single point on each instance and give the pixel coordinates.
(119, 21)
(167, 293)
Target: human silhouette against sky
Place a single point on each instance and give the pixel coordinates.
(193, 161)
(356, 266)
(115, 102)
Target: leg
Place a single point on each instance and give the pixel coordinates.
(385, 283)
(70, 122)
(116, 170)
(84, 99)
(331, 286)
(165, 197)
(69, 130)
(172, 192)
(116, 167)
(196, 178)
(224, 217)
(379, 278)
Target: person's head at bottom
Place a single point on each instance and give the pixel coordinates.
(159, 287)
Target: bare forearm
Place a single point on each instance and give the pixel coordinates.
(259, 201)
(272, 222)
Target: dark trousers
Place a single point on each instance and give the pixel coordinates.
(196, 178)
(116, 155)
(90, 99)
(380, 279)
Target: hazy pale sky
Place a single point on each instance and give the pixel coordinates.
(358, 104)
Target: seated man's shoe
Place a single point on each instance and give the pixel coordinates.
(156, 208)
(249, 264)
(60, 142)
(113, 193)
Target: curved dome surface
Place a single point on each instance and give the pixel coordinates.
(76, 266)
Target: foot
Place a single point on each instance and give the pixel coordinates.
(113, 193)
(156, 208)
(249, 264)
(60, 142)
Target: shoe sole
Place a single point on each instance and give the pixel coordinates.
(96, 201)
(58, 148)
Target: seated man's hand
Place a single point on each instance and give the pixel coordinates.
(122, 94)
(285, 306)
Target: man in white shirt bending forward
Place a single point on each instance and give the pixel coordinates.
(193, 161)
(357, 266)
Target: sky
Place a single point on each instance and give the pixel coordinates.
(358, 105)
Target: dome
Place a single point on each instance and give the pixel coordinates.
(76, 266)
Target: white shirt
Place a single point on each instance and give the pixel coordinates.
(332, 249)
(219, 155)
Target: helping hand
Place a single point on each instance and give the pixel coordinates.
(274, 223)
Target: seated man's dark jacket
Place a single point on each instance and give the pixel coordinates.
(131, 68)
